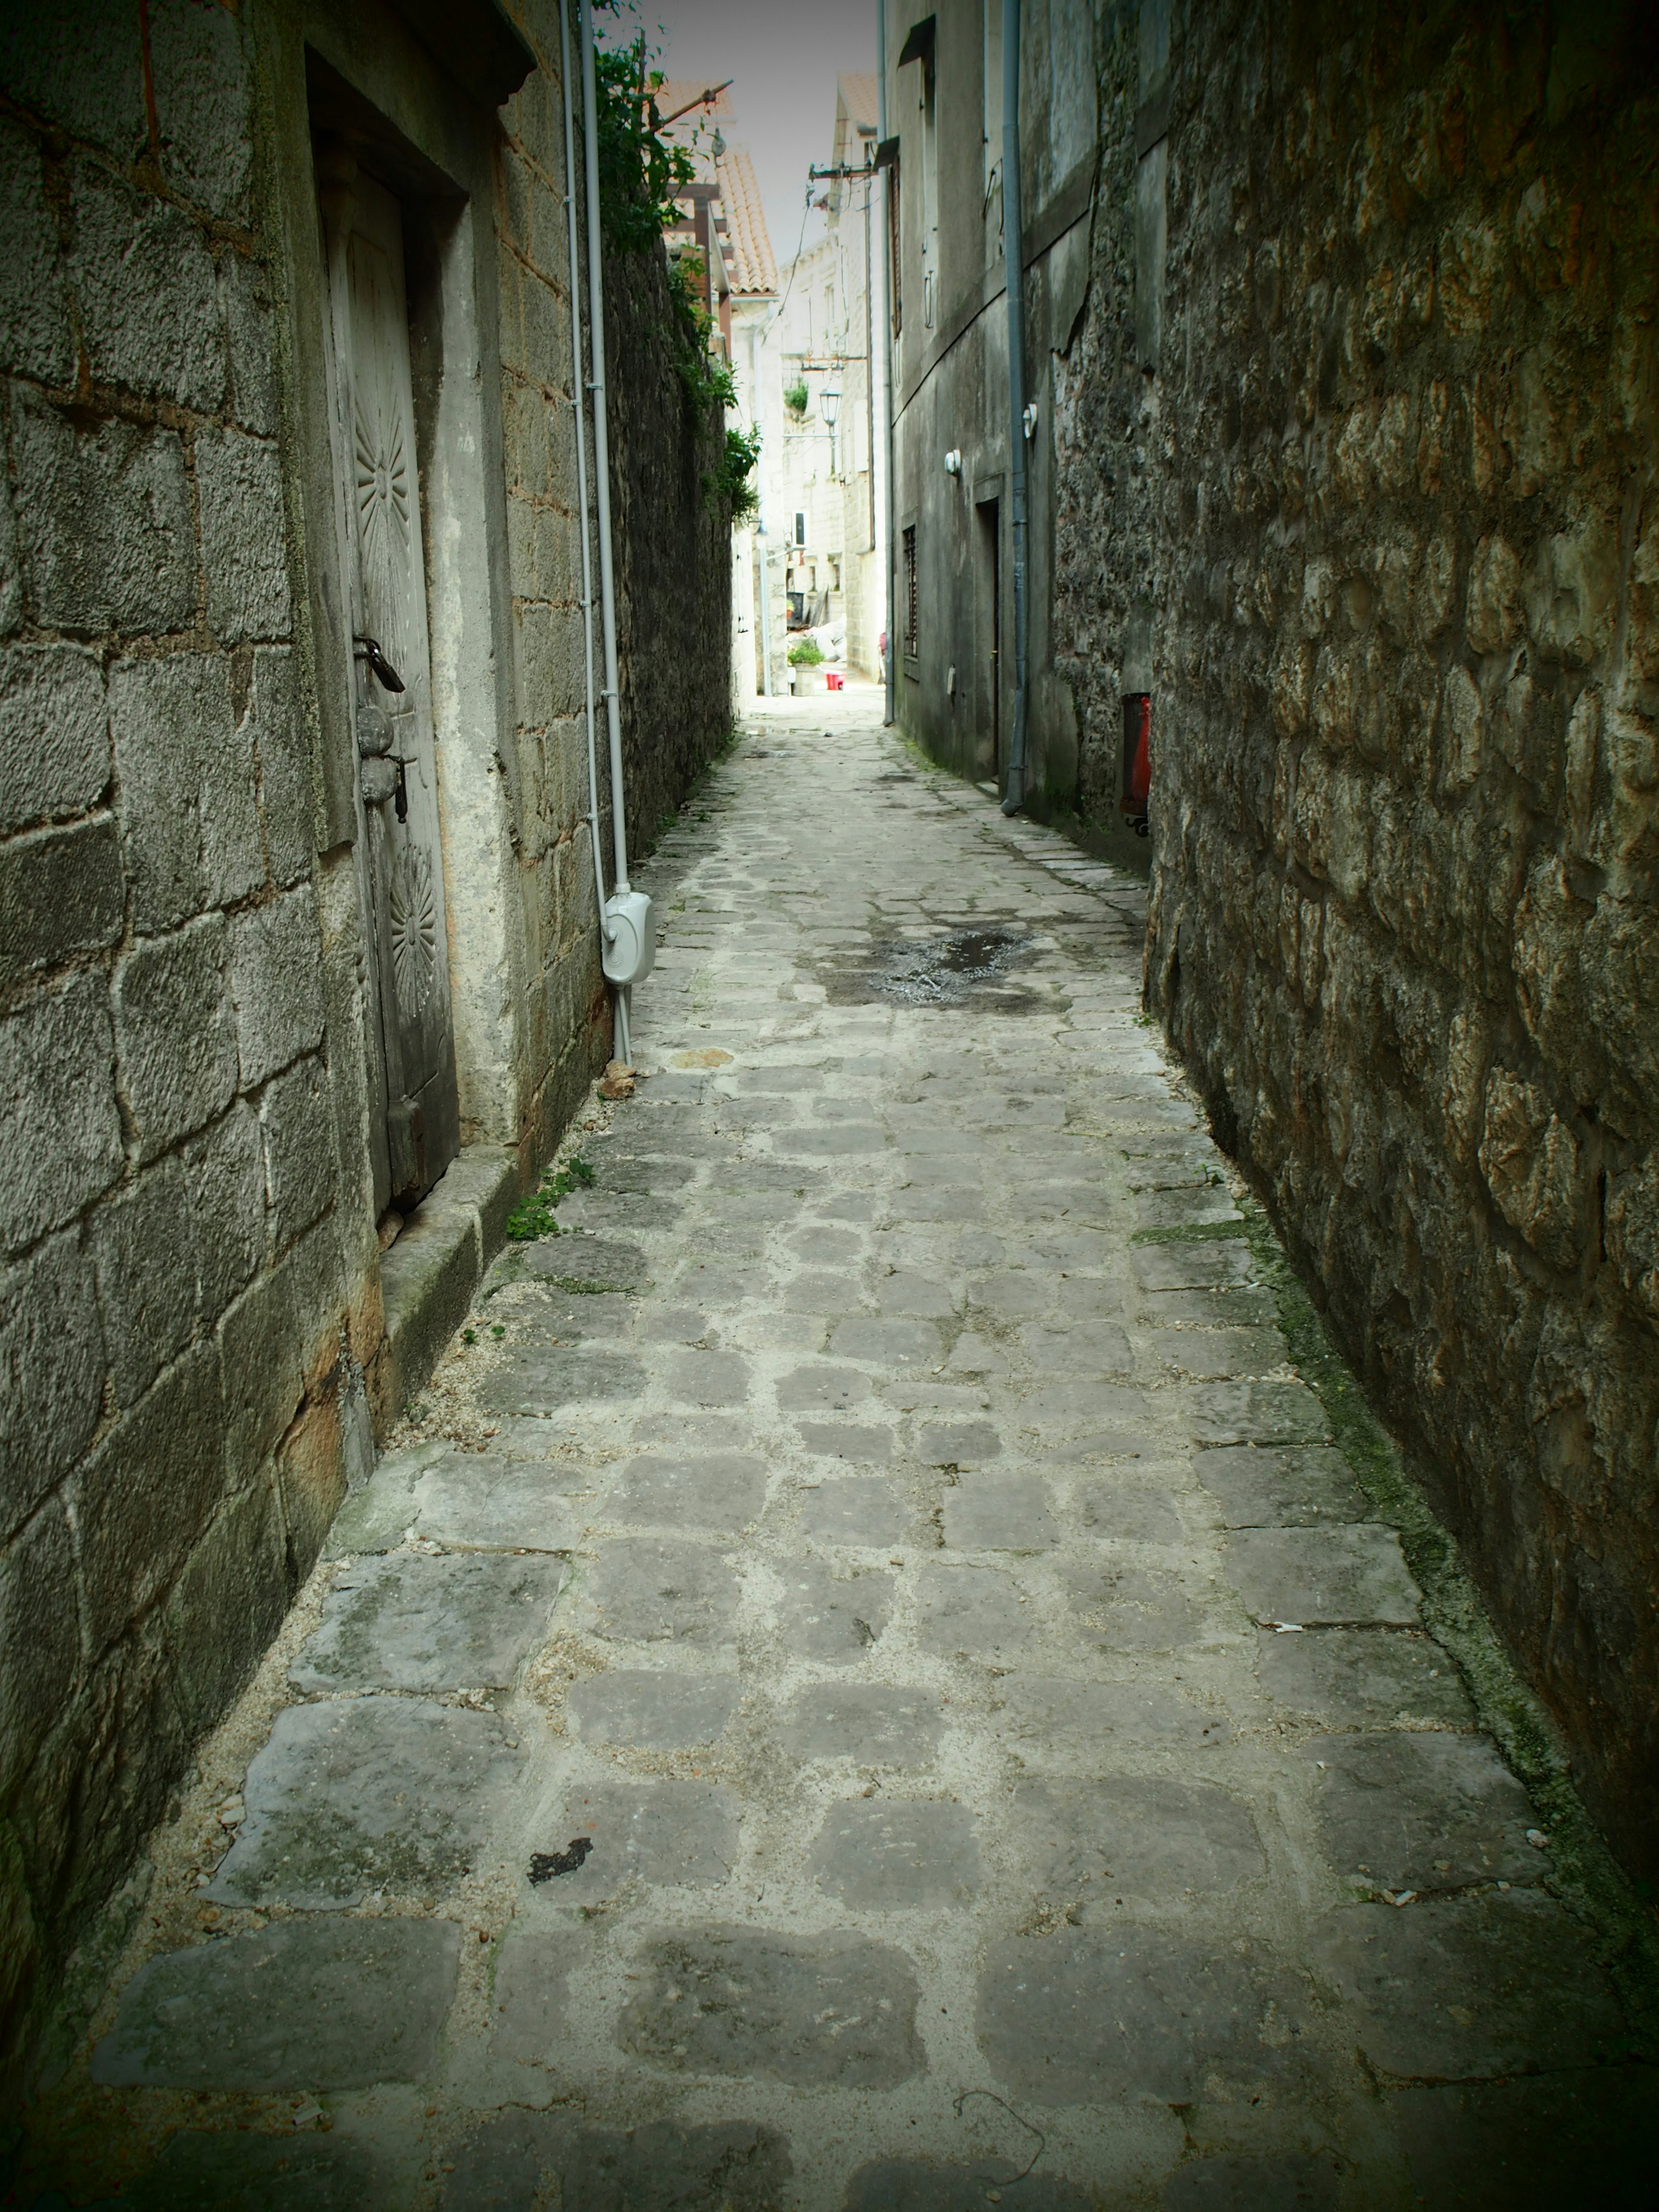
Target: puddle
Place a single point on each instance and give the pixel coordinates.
(959, 968)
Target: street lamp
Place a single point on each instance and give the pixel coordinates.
(829, 406)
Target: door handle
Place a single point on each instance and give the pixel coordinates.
(379, 665)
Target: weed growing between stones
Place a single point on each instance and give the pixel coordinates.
(533, 1217)
(1586, 1876)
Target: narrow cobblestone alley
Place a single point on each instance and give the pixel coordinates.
(904, 1707)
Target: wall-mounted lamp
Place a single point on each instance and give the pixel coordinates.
(1030, 420)
(953, 463)
(829, 407)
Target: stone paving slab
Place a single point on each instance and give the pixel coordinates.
(1497, 1984)
(1586, 2137)
(887, 1854)
(1143, 1839)
(875, 1724)
(652, 1711)
(1079, 2016)
(1297, 2182)
(834, 1614)
(926, 1461)
(818, 2011)
(1363, 1678)
(907, 2185)
(722, 1491)
(1269, 1489)
(647, 1590)
(1324, 1577)
(1422, 1812)
(368, 1793)
(679, 1834)
(303, 2004)
(199, 2172)
(861, 1510)
(474, 1501)
(1090, 1725)
(410, 1621)
(510, 2161)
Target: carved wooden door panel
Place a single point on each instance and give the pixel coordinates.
(392, 688)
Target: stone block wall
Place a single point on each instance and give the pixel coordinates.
(567, 1006)
(1404, 926)
(183, 1305)
(192, 1335)
(1105, 421)
(673, 551)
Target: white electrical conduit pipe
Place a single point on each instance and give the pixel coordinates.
(605, 929)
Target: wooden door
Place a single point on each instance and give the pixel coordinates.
(400, 848)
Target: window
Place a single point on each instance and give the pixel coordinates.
(911, 592)
(800, 527)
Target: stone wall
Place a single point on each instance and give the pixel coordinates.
(184, 1306)
(1105, 425)
(1406, 799)
(672, 542)
(193, 1335)
(568, 1006)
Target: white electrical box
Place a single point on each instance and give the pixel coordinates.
(629, 952)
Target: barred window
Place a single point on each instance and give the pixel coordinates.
(910, 590)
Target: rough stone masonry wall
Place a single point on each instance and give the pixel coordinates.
(1105, 449)
(568, 1011)
(673, 551)
(1407, 791)
(176, 1311)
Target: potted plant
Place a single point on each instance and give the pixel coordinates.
(805, 656)
(794, 397)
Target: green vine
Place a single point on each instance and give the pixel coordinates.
(641, 172)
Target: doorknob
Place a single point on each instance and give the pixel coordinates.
(379, 665)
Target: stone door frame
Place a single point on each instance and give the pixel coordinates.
(350, 71)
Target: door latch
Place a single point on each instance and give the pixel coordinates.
(379, 665)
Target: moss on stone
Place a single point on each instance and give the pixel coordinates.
(1585, 1876)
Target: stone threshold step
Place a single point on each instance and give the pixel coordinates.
(429, 1276)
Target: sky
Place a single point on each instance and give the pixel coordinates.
(784, 59)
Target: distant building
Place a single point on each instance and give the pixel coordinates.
(809, 386)
(722, 218)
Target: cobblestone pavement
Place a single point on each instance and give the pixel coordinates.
(908, 1708)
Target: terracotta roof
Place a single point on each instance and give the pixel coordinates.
(857, 88)
(747, 248)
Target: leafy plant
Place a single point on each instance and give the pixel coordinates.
(533, 1216)
(795, 396)
(641, 172)
(733, 480)
(806, 653)
(706, 376)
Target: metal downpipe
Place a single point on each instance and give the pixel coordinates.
(602, 464)
(1013, 243)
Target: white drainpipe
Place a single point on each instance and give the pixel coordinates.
(631, 942)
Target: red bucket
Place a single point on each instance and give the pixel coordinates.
(835, 681)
